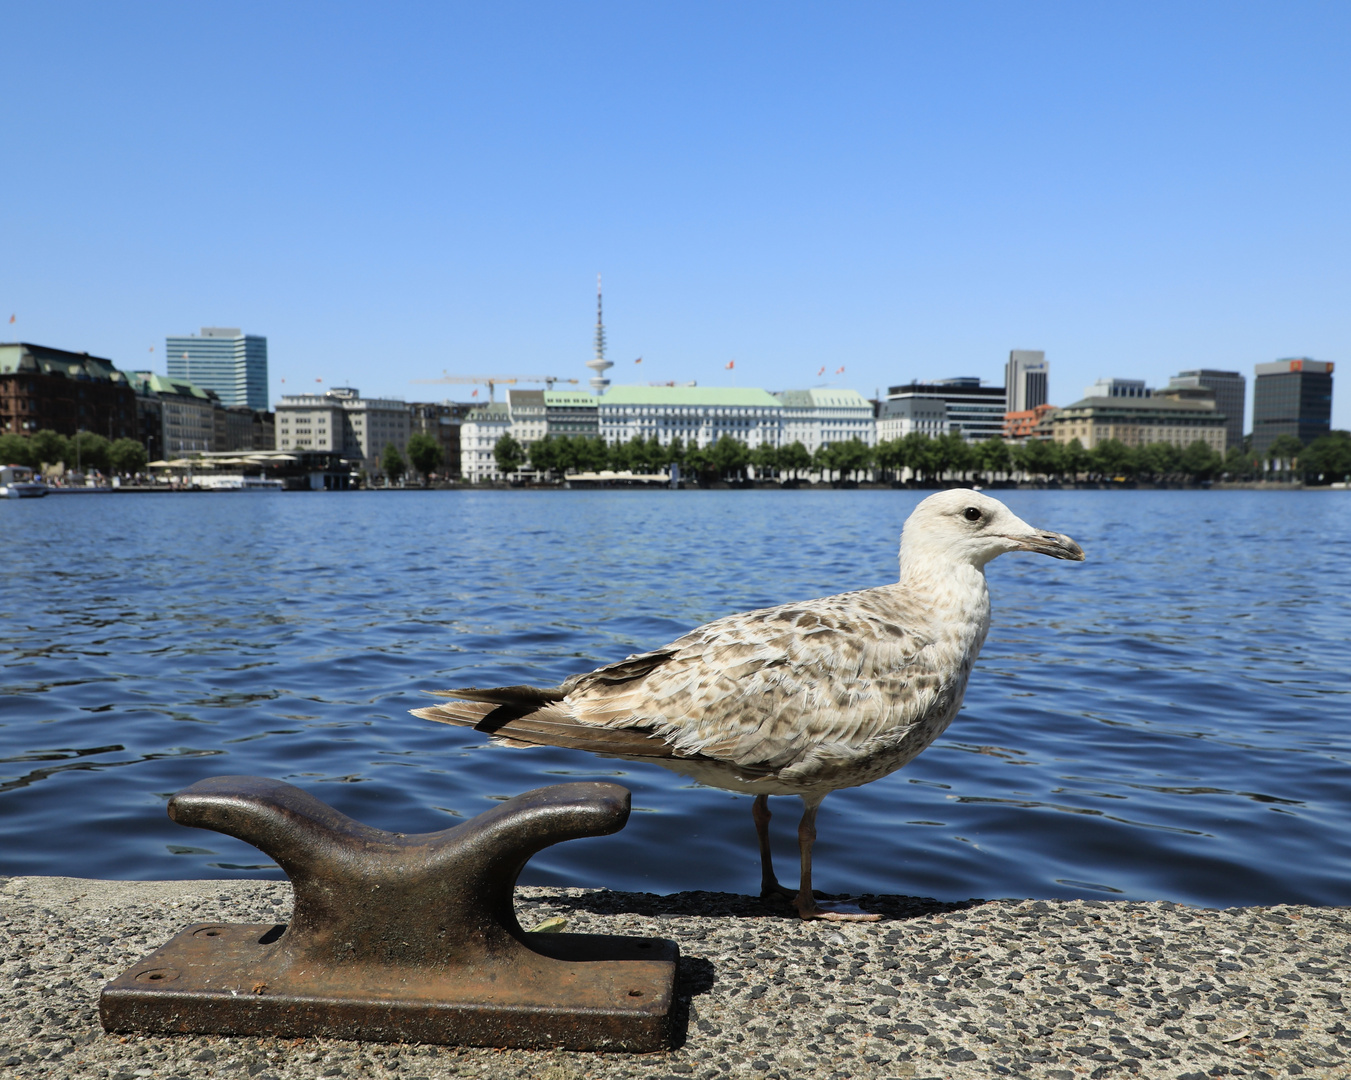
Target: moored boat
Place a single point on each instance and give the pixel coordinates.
(18, 482)
(236, 482)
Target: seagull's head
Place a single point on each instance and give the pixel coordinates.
(967, 526)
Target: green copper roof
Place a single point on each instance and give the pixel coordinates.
(1149, 404)
(689, 395)
(153, 383)
(21, 356)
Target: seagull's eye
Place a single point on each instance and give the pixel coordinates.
(971, 514)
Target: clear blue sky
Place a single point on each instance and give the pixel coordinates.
(907, 190)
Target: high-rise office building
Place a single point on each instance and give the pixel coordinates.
(1231, 392)
(1025, 380)
(223, 359)
(1291, 397)
(975, 412)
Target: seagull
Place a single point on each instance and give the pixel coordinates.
(798, 699)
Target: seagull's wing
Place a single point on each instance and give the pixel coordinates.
(783, 687)
(786, 690)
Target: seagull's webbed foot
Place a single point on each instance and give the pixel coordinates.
(833, 910)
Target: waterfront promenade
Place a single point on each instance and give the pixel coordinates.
(1054, 989)
(620, 482)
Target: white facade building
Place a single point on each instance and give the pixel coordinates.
(824, 417)
(697, 415)
(342, 422)
(903, 416)
(478, 438)
(529, 416)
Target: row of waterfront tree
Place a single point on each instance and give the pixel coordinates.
(916, 456)
(85, 451)
(933, 459)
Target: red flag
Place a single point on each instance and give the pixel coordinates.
(152, 348)
(12, 318)
(474, 394)
(639, 360)
(840, 370)
(283, 380)
(318, 380)
(731, 364)
(821, 372)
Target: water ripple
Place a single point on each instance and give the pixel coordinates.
(1167, 720)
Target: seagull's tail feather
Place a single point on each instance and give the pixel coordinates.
(532, 725)
(506, 695)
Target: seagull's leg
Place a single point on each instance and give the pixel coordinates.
(769, 884)
(806, 903)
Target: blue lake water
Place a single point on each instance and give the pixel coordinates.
(1169, 720)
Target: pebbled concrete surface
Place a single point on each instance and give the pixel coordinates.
(1002, 988)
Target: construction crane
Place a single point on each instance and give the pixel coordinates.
(492, 381)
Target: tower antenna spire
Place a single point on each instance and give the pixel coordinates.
(599, 383)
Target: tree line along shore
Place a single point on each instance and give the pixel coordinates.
(86, 450)
(929, 460)
(932, 460)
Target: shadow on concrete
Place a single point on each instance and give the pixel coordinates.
(702, 904)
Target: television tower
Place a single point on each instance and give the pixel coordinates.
(599, 383)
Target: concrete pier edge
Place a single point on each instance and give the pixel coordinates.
(1027, 988)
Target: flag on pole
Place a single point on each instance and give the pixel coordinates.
(840, 370)
(12, 318)
(730, 364)
(152, 348)
(318, 380)
(820, 373)
(639, 360)
(474, 394)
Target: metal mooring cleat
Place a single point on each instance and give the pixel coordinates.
(402, 938)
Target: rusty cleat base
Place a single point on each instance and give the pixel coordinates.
(587, 992)
(400, 937)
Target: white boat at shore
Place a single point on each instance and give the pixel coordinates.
(235, 482)
(17, 482)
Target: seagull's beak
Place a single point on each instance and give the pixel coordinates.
(1056, 545)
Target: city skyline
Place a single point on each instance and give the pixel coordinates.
(1028, 368)
(907, 192)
